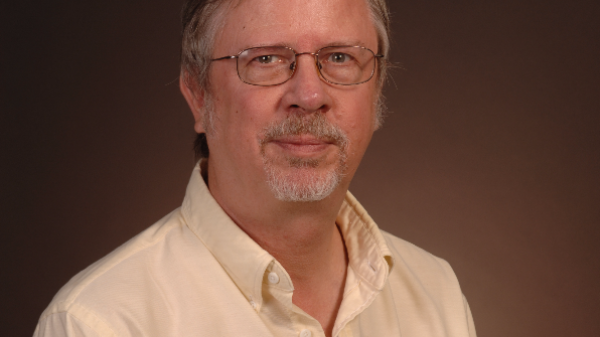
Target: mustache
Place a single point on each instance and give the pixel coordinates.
(314, 124)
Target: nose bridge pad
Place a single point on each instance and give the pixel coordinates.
(318, 65)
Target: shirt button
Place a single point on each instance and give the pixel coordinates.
(274, 279)
(305, 333)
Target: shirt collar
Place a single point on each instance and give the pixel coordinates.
(368, 254)
(246, 262)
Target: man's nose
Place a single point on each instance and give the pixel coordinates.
(306, 90)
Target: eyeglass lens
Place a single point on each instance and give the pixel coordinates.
(275, 65)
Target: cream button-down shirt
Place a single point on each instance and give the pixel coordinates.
(196, 273)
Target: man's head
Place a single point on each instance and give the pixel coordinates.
(306, 134)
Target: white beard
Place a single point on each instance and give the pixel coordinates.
(304, 180)
(303, 183)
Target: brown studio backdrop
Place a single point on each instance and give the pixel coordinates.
(489, 158)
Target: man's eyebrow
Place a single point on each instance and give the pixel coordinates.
(247, 46)
(345, 43)
(278, 44)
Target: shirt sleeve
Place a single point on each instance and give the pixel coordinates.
(63, 324)
(470, 322)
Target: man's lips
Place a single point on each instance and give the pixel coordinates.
(302, 144)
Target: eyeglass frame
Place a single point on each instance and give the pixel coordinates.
(317, 65)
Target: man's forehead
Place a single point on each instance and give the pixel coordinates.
(296, 23)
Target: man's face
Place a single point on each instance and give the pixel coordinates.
(304, 137)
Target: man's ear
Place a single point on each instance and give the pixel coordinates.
(195, 99)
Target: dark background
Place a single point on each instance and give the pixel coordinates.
(490, 157)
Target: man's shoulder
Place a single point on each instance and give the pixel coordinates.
(126, 254)
(420, 264)
(131, 275)
(163, 282)
(426, 290)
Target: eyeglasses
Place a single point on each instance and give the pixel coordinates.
(270, 66)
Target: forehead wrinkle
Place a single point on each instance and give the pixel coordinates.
(304, 26)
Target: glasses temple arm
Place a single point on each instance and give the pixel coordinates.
(225, 58)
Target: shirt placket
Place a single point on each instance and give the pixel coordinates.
(277, 292)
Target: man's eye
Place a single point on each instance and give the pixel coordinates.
(266, 59)
(339, 57)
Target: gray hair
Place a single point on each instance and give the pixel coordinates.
(202, 19)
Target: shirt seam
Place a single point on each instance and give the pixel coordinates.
(67, 310)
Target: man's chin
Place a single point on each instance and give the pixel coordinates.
(302, 183)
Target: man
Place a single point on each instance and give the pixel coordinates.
(268, 241)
